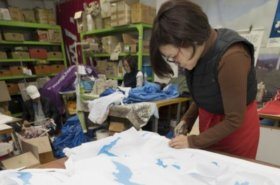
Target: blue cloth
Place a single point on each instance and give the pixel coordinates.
(267, 122)
(87, 85)
(151, 92)
(71, 135)
(107, 92)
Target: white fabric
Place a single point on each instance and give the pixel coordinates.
(99, 108)
(138, 157)
(139, 79)
(146, 158)
(38, 113)
(126, 90)
(33, 177)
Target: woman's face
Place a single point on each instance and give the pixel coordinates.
(181, 56)
(126, 66)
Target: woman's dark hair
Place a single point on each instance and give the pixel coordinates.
(131, 62)
(180, 23)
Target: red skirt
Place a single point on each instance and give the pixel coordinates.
(242, 142)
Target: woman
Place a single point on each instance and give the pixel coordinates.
(219, 66)
(132, 77)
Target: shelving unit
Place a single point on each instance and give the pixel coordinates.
(30, 41)
(139, 28)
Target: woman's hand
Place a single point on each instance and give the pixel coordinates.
(181, 128)
(179, 142)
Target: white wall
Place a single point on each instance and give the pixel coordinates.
(239, 14)
(269, 145)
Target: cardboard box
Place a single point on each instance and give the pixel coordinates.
(106, 22)
(51, 17)
(41, 15)
(55, 36)
(13, 36)
(120, 13)
(4, 95)
(101, 66)
(3, 55)
(16, 14)
(129, 38)
(133, 48)
(20, 55)
(24, 160)
(112, 69)
(13, 88)
(5, 72)
(55, 54)
(56, 68)
(5, 14)
(42, 35)
(28, 15)
(40, 70)
(109, 43)
(141, 13)
(39, 53)
(105, 8)
(16, 70)
(116, 127)
(40, 147)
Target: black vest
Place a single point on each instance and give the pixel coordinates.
(129, 79)
(203, 79)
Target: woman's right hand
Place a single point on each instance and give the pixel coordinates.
(181, 128)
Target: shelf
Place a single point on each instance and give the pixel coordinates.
(92, 54)
(25, 76)
(30, 60)
(29, 43)
(55, 59)
(107, 31)
(18, 60)
(28, 25)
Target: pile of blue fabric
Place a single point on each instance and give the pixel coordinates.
(71, 136)
(148, 92)
(152, 92)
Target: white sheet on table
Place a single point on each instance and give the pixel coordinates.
(146, 159)
(138, 157)
(33, 177)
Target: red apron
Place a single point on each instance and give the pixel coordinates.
(242, 142)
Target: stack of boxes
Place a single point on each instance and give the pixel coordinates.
(124, 12)
(38, 15)
(119, 13)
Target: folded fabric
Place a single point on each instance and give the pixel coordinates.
(99, 108)
(151, 92)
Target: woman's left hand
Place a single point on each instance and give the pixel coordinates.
(179, 142)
